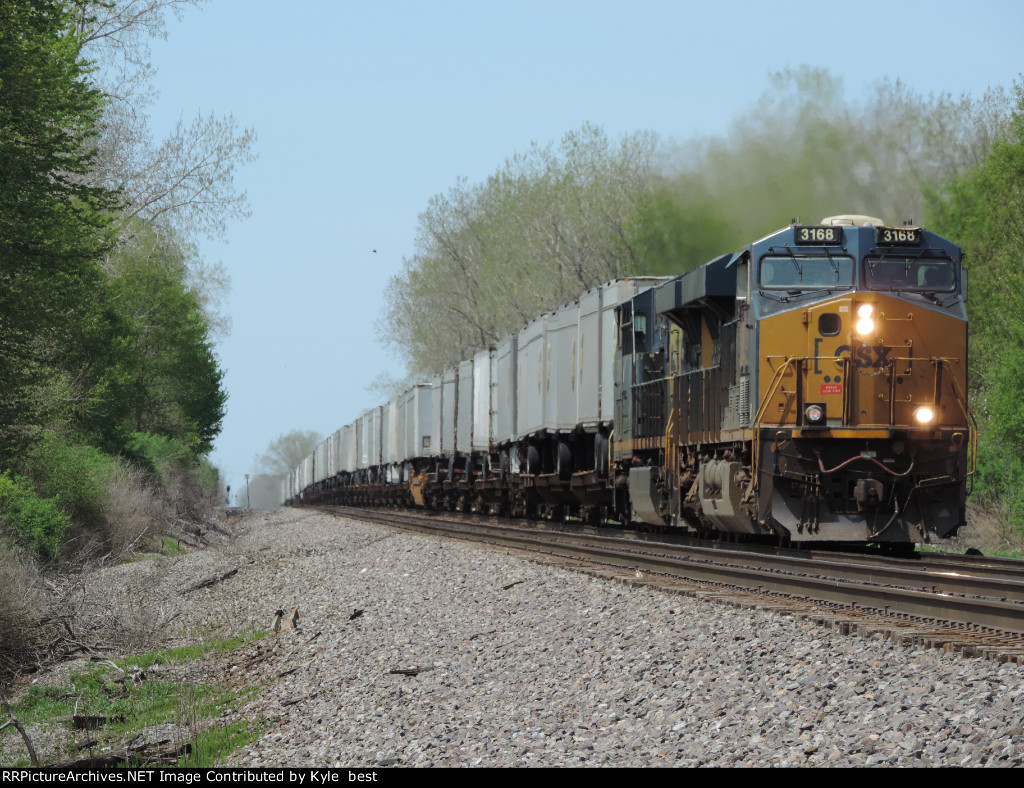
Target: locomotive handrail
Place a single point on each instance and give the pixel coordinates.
(972, 424)
(756, 425)
(670, 444)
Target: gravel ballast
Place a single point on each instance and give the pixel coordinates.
(469, 656)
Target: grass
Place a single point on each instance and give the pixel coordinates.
(185, 653)
(171, 547)
(988, 529)
(992, 552)
(121, 708)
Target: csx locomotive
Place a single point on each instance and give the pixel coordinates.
(808, 388)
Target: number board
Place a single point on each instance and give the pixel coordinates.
(899, 236)
(818, 236)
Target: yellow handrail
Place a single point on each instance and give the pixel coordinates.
(756, 424)
(670, 445)
(972, 424)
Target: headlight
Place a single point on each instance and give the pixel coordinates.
(865, 321)
(814, 414)
(925, 414)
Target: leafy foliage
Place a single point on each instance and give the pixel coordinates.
(166, 368)
(982, 209)
(36, 522)
(675, 228)
(161, 456)
(102, 336)
(51, 223)
(106, 313)
(804, 151)
(75, 475)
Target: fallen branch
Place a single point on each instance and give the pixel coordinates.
(163, 753)
(86, 722)
(24, 734)
(211, 582)
(410, 671)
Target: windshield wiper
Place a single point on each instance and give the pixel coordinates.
(942, 301)
(835, 268)
(780, 299)
(813, 291)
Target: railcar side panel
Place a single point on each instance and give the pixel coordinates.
(464, 418)
(505, 387)
(532, 364)
(482, 392)
(449, 410)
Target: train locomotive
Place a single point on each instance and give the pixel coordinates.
(810, 388)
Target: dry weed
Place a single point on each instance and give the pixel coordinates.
(24, 631)
(135, 514)
(188, 499)
(987, 530)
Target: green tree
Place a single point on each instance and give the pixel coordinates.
(675, 228)
(163, 368)
(51, 222)
(982, 209)
(805, 151)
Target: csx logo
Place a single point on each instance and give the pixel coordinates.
(877, 356)
(863, 356)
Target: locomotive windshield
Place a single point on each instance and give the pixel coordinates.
(806, 273)
(911, 273)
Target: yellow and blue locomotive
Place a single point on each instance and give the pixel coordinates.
(811, 387)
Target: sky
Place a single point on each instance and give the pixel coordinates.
(364, 111)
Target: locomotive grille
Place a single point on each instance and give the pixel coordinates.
(739, 401)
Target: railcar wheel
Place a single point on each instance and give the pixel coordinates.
(601, 456)
(564, 465)
(532, 460)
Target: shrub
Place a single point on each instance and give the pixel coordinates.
(190, 486)
(997, 484)
(76, 476)
(135, 512)
(22, 610)
(209, 478)
(35, 522)
(162, 457)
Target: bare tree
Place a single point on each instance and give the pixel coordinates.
(287, 451)
(548, 225)
(183, 186)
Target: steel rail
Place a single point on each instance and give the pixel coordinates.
(934, 597)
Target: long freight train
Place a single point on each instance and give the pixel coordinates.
(809, 388)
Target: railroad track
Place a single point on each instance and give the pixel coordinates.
(968, 604)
